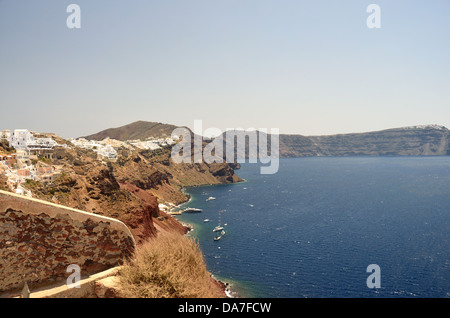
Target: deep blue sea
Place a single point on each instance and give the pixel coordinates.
(312, 229)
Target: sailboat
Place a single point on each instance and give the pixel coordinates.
(218, 228)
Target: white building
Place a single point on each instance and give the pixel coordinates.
(152, 144)
(41, 143)
(108, 152)
(24, 139)
(102, 148)
(20, 138)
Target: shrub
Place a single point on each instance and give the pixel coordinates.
(168, 266)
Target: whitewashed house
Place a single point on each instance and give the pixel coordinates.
(24, 139)
(20, 138)
(108, 152)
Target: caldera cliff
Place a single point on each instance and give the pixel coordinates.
(129, 188)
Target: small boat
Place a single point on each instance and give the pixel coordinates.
(219, 227)
(223, 232)
(206, 220)
(210, 198)
(217, 238)
(192, 210)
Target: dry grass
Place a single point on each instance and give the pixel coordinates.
(168, 266)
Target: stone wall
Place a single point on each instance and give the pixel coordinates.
(38, 240)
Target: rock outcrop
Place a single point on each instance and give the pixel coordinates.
(38, 241)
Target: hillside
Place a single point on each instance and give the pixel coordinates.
(133, 131)
(128, 189)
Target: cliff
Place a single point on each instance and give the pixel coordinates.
(128, 189)
(407, 141)
(39, 240)
(155, 172)
(415, 141)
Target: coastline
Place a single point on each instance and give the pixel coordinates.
(224, 284)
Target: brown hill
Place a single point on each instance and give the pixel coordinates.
(133, 131)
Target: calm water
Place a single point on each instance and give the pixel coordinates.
(312, 229)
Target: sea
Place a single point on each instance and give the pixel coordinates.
(325, 227)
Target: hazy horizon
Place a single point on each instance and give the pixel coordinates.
(304, 67)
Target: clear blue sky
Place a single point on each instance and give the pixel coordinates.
(307, 67)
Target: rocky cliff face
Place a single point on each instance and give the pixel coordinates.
(155, 172)
(38, 241)
(408, 141)
(418, 140)
(39, 248)
(130, 188)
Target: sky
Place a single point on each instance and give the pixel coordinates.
(305, 67)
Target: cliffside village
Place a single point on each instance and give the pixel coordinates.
(31, 153)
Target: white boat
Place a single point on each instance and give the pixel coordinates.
(206, 220)
(210, 198)
(219, 227)
(192, 210)
(222, 233)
